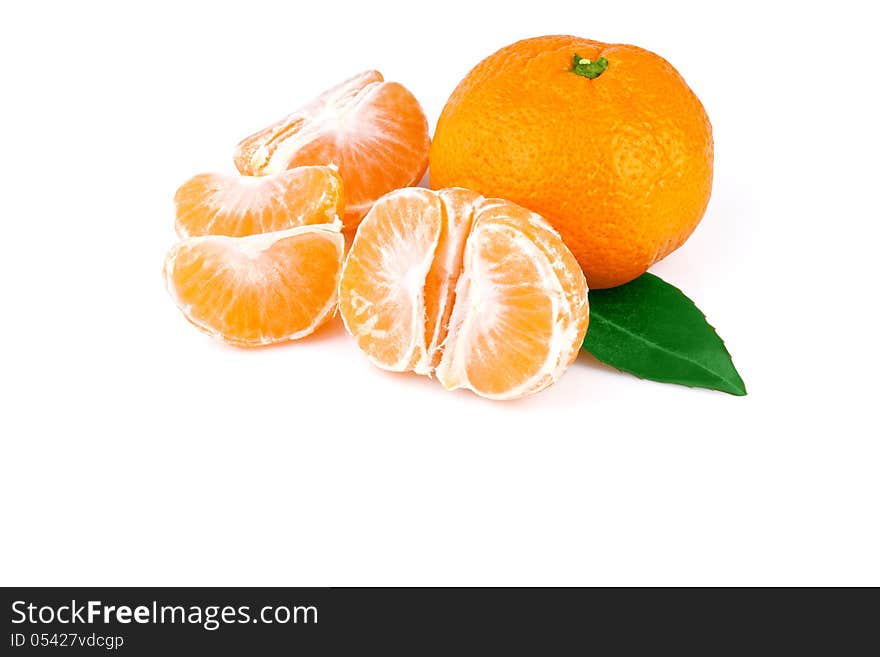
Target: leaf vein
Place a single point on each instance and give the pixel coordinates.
(666, 350)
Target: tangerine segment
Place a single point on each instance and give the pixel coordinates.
(381, 296)
(217, 204)
(260, 289)
(374, 131)
(565, 266)
(521, 310)
(497, 304)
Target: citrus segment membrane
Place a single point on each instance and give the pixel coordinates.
(260, 289)
(458, 212)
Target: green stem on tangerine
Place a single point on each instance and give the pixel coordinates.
(587, 68)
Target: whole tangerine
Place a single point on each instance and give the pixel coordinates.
(606, 141)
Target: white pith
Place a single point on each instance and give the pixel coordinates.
(331, 113)
(457, 228)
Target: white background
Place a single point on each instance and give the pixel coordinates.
(137, 451)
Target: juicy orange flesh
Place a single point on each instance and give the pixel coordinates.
(374, 131)
(386, 267)
(509, 326)
(251, 297)
(215, 204)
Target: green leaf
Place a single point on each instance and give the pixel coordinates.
(651, 329)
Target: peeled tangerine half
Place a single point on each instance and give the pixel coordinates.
(481, 293)
(261, 289)
(217, 204)
(374, 131)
